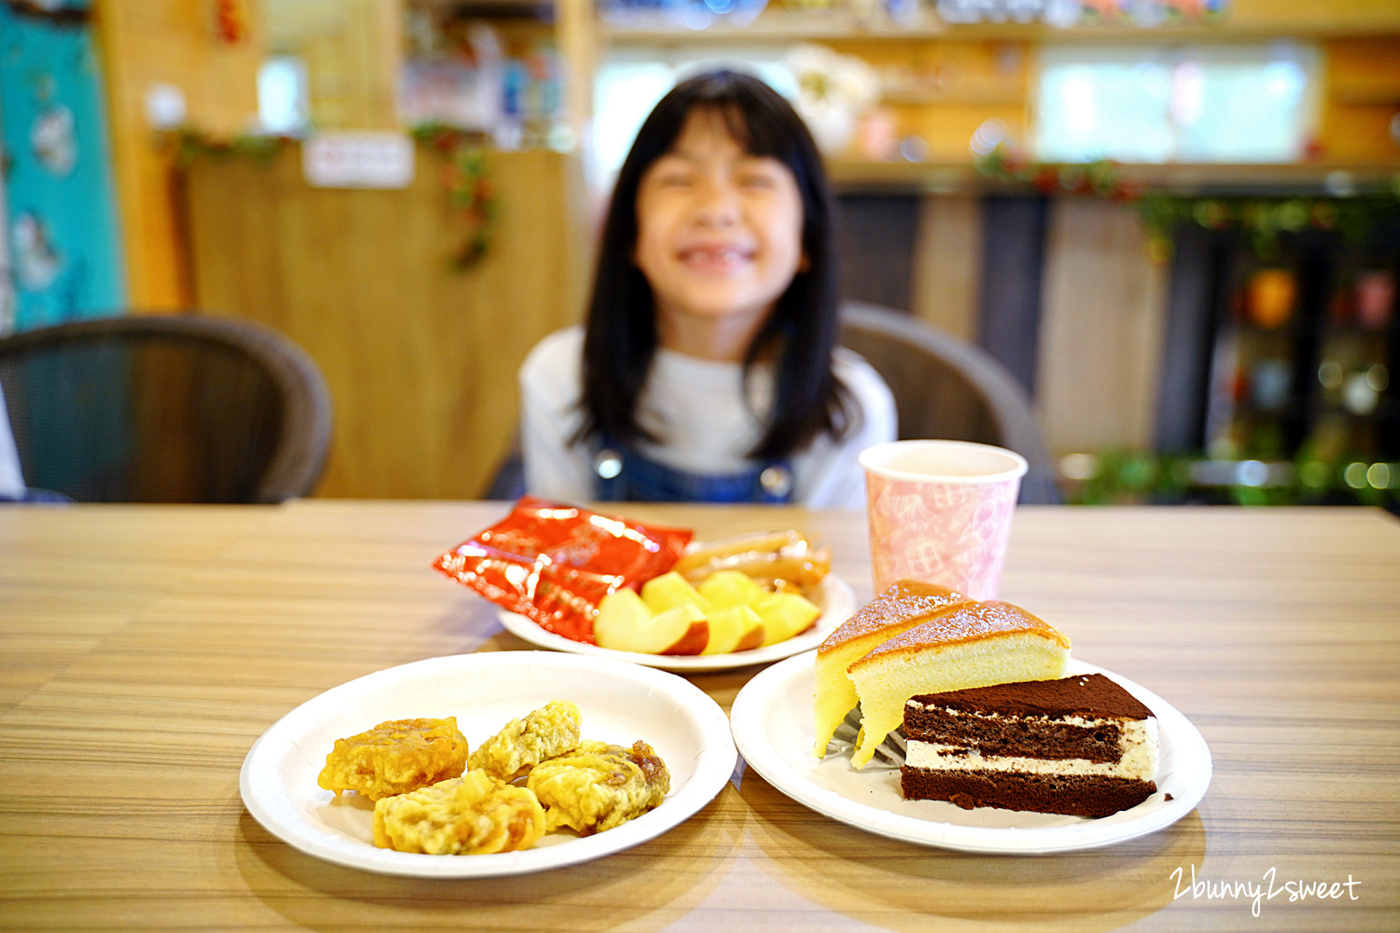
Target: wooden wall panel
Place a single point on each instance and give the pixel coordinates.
(148, 42)
(948, 263)
(420, 358)
(1102, 320)
(1361, 96)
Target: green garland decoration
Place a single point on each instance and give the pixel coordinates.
(1262, 219)
(470, 189)
(1101, 178)
(1123, 477)
(184, 144)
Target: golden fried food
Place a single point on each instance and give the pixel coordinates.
(396, 757)
(474, 814)
(599, 786)
(777, 559)
(551, 730)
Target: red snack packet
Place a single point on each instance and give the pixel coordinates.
(554, 563)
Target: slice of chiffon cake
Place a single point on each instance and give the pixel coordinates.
(973, 644)
(905, 604)
(1081, 746)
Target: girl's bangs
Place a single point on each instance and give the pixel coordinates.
(754, 115)
(757, 131)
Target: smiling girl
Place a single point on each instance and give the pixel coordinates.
(707, 369)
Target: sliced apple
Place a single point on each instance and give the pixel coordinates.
(734, 628)
(730, 588)
(785, 615)
(626, 623)
(685, 628)
(620, 613)
(671, 590)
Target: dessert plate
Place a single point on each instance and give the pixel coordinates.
(772, 724)
(834, 597)
(619, 702)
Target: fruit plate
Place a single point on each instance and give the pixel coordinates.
(773, 729)
(619, 703)
(833, 597)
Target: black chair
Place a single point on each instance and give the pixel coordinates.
(947, 388)
(166, 408)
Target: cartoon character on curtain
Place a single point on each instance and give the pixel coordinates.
(64, 252)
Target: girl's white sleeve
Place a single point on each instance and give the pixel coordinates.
(841, 483)
(549, 416)
(11, 476)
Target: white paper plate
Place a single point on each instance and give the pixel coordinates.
(834, 597)
(773, 728)
(619, 702)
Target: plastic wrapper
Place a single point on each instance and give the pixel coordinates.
(554, 563)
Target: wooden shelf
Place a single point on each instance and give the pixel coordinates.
(775, 26)
(1381, 96)
(992, 98)
(1300, 20)
(852, 175)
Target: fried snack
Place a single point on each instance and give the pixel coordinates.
(599, 786)
(396, 757)
(777, 559)
(549, 731)
(474, 814)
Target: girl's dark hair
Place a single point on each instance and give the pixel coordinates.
(620, 338)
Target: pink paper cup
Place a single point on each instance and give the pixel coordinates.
(940, 512)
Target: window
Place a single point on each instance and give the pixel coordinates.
(283, 105)
(631, 81)
(1204, 104)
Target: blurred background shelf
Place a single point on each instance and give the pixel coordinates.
(1112, 322)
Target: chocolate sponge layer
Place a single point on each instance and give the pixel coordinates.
(1073, 795)
(1033, 738)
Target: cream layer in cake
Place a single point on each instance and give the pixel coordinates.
(1137, 748)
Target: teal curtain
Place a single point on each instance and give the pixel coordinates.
(61, 227)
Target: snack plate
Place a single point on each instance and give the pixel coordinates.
(773, 728)
(833, 596)
(619, 702)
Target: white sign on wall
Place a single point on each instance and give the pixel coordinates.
(358, 160)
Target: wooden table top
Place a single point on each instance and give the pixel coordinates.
(144, 648)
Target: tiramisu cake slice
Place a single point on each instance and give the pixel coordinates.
(1081, 746)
